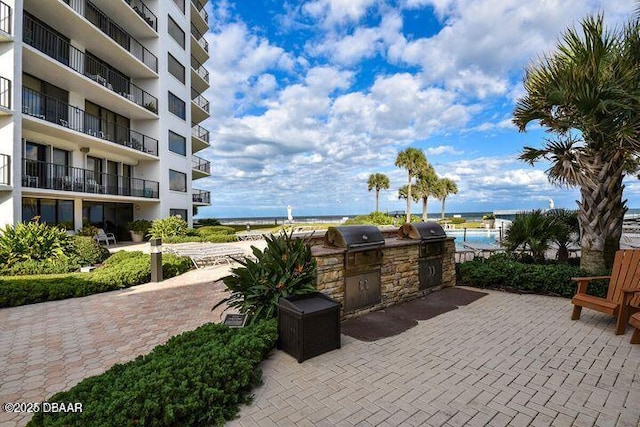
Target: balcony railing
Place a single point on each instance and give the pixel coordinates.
(47, 108)
(200, 132)
(201, 196)
(5, 169)
(199, 4)
(145, 13)
(203, 165)
(5, 18)
(52, 45)
(198, 36)
(200, 101)
(199, 69)
(201, 10)
(114, 31)
(5, 93)
(51, 176)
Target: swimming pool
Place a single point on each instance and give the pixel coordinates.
(477, 236)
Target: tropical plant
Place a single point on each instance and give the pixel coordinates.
(33, 240)
(379, 181)
(284, 268)
(374, 218)
(442, 189)
(140, 226)
(587, 94)
(566, 230)
(87, 230)
(488, 217)
(414, 161)
(172, 226)
(530, 231)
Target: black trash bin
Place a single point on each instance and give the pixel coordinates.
(308, 325)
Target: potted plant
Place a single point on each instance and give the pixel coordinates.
(489, 220)
(139, 229)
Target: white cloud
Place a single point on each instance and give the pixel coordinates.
(442, 149)
(333, 12)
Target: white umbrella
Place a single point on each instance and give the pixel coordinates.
(289, 214)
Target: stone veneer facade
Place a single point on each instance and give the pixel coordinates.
(399, 272)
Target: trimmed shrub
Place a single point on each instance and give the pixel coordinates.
(56, 266)
(457, 220)
(502, 271)
(171, 226)
(208, 221)
(88, 251)
(121, 270)
(197, 378)
(215, 229)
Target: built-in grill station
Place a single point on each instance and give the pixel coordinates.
(430, 257)
(362, 261)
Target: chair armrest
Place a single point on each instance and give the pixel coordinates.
(627, 295)
(583, 282)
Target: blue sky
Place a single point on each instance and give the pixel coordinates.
(310, 97)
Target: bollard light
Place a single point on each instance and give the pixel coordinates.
(155, 249)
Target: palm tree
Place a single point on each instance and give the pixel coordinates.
(443, 188)
(565, 231)
(425, 187)
(379, 181)
(413, 160)
(587, 94)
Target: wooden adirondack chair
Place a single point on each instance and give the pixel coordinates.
(623, 283)
(635, 322)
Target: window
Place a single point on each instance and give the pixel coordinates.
(177, 181)
(177, 143)
(177, 106)
(180, 4)
(182, 213)
(176, 68)
(176, 32)
(50, 211)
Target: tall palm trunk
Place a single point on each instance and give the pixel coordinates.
(377, 198)
(442, 213)
(601, 213)
(409, 199)
(424, 209)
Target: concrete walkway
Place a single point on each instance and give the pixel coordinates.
(503, 360)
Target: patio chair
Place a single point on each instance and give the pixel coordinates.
(623, 283)
(635, 322)
(104, 237)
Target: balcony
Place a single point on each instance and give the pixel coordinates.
(199, 107)
(200, 167)
(201, 197)
(42, 39)
(144, 12)
(112, 30)
(199, 16)
(36, 104)
(199, 45)
(199, 76)
(51, 176)
(6, 15)
(199, 138)
(5, 170)
(5, 96)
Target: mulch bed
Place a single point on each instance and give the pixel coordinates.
(398, 318)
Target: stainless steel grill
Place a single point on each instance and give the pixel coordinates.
(362, 261)
(432, 238)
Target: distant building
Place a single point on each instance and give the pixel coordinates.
(100, 105)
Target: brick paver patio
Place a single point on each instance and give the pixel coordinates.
(503, 360)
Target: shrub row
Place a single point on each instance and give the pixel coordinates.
(197, 378)
(121, 270)
(500, 271)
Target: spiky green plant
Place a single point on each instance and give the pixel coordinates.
(33, 240)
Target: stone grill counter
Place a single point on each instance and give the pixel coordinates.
(399, 272)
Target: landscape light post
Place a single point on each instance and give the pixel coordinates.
(155, 249)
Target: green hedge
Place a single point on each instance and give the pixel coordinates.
(502, 272)
(121, 270)
(197, 378)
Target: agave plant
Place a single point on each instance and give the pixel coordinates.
(284, 268)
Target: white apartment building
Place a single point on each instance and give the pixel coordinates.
(100, 110)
